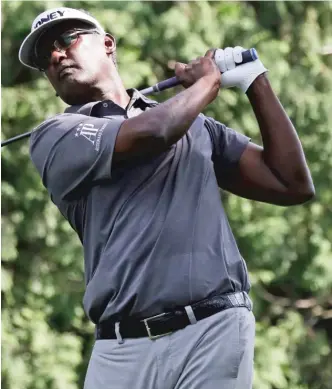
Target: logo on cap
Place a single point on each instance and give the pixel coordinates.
(49, 17)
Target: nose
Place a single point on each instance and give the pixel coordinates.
(57, 56)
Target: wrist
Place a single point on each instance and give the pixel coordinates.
(251, 71)
(210, 83)
(259, 85)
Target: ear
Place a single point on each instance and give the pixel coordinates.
(110, 44)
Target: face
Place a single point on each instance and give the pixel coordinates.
(79, 71)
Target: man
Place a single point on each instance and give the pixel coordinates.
(139, 182)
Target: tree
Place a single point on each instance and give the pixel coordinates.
(46, 337)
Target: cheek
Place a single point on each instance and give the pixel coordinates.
(89, 55)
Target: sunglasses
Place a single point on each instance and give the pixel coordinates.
(62, 43)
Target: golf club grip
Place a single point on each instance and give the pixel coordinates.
(247, 56)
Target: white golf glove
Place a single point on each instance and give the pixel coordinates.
(241, 76)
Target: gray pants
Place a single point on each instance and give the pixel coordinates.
(215, 353)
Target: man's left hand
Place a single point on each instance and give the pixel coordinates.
(241, 76)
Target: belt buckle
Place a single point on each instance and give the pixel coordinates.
(148, 329)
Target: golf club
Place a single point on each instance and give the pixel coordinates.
(247, 56)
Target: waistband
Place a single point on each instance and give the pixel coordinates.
(165, 323)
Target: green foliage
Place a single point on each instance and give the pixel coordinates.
(46, 338)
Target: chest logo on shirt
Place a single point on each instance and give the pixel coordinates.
(89, 132)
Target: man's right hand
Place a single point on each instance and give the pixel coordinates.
(201, 68)
(155, 130)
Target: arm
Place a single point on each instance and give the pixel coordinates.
(155, 130)
(276, 173)
(69, 175)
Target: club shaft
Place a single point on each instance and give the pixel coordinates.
(15, 138)
(247, 56)
(165, 85)
(170, 83)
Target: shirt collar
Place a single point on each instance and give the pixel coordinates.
(135, 95)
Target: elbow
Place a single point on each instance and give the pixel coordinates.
(304, 195)
(154, 139)
(151, 144)
(308, 190)
(156, 143)
(162, 139)
(149, 134)
(311, 192)
(302, 188)
(139, 139)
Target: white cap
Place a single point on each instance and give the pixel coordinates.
(46, 20)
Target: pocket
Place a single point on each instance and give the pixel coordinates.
(231, 350)
(246, 334)
(238, 351)
(243, 340)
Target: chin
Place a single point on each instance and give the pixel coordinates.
(75, 99)
(75, 94)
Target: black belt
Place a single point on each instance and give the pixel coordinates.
(168, 322)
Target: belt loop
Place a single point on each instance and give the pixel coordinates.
(240, 299)
(117, 333)
(190, 314)
(232, 299)
(248, 301)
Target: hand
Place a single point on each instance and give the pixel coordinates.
(199, 68)
(241, 76)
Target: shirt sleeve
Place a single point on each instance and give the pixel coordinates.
(227, 148)
(71, 152)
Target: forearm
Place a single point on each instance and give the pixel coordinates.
(283, 152)
(156, 129)
(176, 115)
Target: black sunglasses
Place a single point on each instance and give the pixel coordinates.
(62, 43)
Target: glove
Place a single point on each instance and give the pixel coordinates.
(241, 76)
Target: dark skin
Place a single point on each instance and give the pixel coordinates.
(276, 173)
(92, 75)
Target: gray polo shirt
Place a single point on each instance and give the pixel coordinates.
(154, 230)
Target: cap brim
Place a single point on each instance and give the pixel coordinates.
(26, 52)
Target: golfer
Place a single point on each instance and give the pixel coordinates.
(166, 285)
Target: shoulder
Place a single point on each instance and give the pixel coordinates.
(212, 124)
(49, 133)
(213, 128)
(60, 121)
(56, 127)
(225, 140)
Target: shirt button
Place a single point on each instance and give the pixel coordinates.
(105, 105)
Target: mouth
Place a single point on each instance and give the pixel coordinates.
(66, 70)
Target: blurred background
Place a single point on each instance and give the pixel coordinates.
(46, 338)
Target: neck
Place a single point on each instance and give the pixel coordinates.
(116, 93)
(113, 89)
